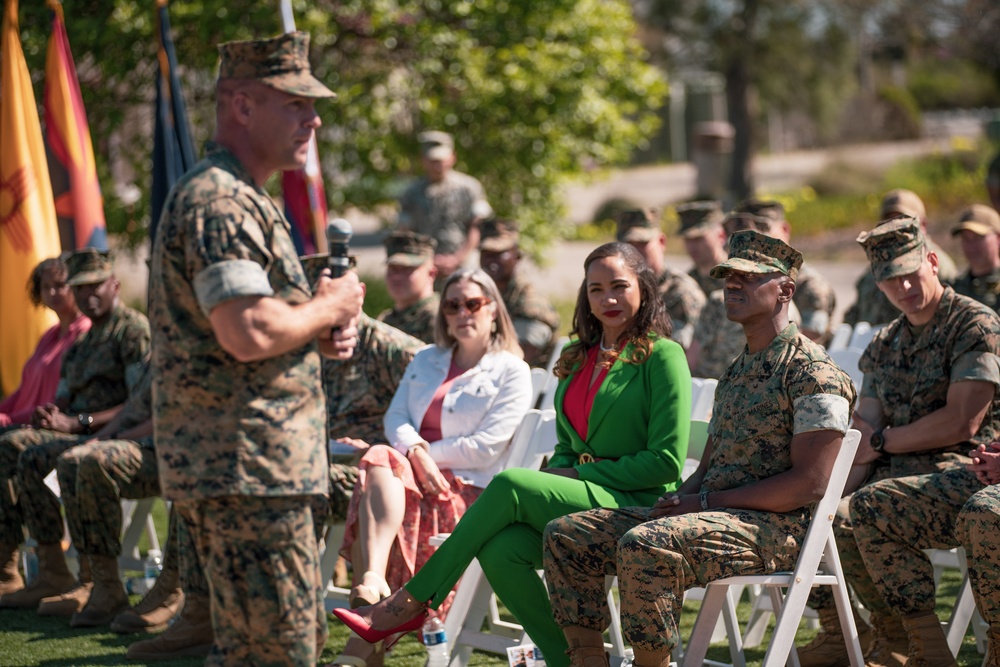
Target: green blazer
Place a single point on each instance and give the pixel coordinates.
(641, 417)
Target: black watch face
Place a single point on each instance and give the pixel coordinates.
(877, 441)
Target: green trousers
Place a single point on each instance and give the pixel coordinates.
(503, 529)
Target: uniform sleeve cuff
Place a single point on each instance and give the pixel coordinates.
(230, 279)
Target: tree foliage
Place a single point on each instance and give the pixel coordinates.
(532, 91)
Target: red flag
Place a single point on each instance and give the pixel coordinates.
(71, 156)
(305, 204)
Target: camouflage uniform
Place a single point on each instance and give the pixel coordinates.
(708, 284)
(982, 221)
(815, 300)
(444, 210)
(416, 320)
(977, 531)
(984, 289)
(684, 302)
(100, 371)
(535, 319)
(762, 401)
(241, 447)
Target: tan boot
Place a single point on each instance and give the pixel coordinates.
(190, 636)
(108, 597)
(154, 613)
(73, 600)
(54, 578)
(928, 645)
(828, 648)
(890, 645)
(993, 648)
(586, 647)
(10, 578)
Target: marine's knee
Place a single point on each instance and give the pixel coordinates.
(32, 461)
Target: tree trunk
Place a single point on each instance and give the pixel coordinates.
(738, 76)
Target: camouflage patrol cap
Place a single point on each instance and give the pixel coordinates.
(436, 145)
(980, 219)
(697, 217)
(280, 62)
(753, 252)
(498, 235)
(905, 203)
(408, 248)
(894, 248)
(737, 221)
(89, 266)
(638, 225)
(762, 208)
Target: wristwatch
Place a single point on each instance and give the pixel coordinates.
(877, 441)
(703, 500)
(86, 421)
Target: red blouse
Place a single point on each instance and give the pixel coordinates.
(579, 397)
(430, 427)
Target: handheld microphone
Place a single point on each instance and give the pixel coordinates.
(338, 238)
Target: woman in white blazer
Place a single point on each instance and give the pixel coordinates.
(448, 428)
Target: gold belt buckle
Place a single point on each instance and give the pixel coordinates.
(586, 457)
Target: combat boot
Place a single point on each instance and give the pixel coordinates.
(928, 645)
(190, 635)
(890, 644)
(107, 598)
(73, 600)
(993, 648)
(10, 578)
(828, 648)
(586, 647)
(155, 611)
(54, 578)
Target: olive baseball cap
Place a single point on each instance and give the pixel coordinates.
(280, 62)
(89, 266)
(498, 235)
(436, 145)
(894, 248)
(638, 225)
(905, 203)
(753, 252)
(697, 217)
(408, 248)
(980, 219)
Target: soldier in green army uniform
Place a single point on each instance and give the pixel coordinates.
(99, 373)
(872, 306)
(717, 339)
(704, 239)
(814, 297)
(239, 414)
(927, 392)
(681, 294)
(535, 319)
(409, 279)
(781, 410)
(978, 229)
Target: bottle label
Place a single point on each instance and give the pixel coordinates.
(434, 638)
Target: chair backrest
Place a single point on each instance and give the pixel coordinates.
(539, 381)
(543, 440)
(704, 401)
(841, 337)
(847, 358)
(520, 441)
(696, 446)
(826, 508)
(862, 335)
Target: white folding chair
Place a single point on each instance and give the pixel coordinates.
(964, 612)
(841, 337)
(539, 382)
(862, 335)
(847, 358)
(702, 404)
(137, 518)
(818, 548)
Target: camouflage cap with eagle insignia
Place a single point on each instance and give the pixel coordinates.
(894, 248)
(753, 252)
(280, 62)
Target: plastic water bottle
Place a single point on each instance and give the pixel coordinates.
(436, 643)
(151, 568)
(30, 566)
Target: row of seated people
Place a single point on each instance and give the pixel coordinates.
(532, 499)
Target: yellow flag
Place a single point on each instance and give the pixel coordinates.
(29, 232)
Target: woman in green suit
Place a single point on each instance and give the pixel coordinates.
(623, 413)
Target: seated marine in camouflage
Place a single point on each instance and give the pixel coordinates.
(99, 373)
(409, 278)
(535, 320)
(781, 410)
(704, 239)
(682, 296)
(978, 230)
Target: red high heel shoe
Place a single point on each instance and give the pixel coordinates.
(360, 626)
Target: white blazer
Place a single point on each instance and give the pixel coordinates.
(481, 410)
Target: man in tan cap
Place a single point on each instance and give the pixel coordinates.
(814, 297)
(978, 229)
(781, 410)
(99, 373)
(929, 395)
(444, 204)
(871, 305)
(704, 239)
(535, 319)
(682, 295)
(240, 421)
(409, 279)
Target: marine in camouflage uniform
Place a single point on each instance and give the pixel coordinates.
(99, 372)
(785, 394)
(910, 372)
(704, 239)
(535, 319)
(416, 303)
(979, 229)
(977, 530)
(682, 296)
(241, 444)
